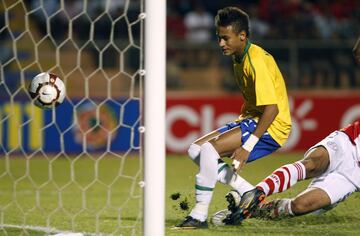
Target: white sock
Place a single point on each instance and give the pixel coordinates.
(227, 176)
(240, 184)
(205, 181)
(225, 173)
(194, 153)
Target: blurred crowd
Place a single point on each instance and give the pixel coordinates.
(100, 26)
(314, 32)
(270, 19)
(108, 16)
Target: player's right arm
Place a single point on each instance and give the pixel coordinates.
(265, 98)
(242, 153)
(267, 118)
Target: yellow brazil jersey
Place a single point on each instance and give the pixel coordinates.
(261, 83)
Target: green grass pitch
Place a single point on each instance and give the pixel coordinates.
(102, 195)
(342, 220)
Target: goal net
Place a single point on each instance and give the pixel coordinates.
(77, 168)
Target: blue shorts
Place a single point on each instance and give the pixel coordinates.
(266, 144)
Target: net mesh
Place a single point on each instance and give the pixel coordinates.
(75, 168)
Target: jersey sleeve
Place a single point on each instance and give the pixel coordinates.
(264, 83)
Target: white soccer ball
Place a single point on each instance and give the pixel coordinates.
(218, 218)
(47, 90)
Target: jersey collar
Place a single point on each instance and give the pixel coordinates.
(239, 59)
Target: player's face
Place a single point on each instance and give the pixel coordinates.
(231, 43)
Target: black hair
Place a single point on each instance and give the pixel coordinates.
(235, 17)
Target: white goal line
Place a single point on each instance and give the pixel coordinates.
(51, 231)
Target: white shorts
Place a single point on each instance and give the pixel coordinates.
(343, 174)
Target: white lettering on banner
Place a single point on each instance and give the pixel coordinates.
(299, 123)
(300, 114)
(226, 118)
(207, 119)
(350, 115)
(293, 138)
(203, 122)
(193, 120)
(180, 112)
(304, 108)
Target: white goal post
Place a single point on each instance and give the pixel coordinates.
(155, 48)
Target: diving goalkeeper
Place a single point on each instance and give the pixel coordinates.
(333, 164)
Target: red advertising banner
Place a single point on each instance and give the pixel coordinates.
(313, 118)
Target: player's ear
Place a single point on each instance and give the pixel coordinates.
(242, 35)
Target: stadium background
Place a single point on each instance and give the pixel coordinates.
(311, 41)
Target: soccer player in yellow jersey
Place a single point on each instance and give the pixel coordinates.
(263, 125)
(333, 163)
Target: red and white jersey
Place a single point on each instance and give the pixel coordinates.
(353, 131)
